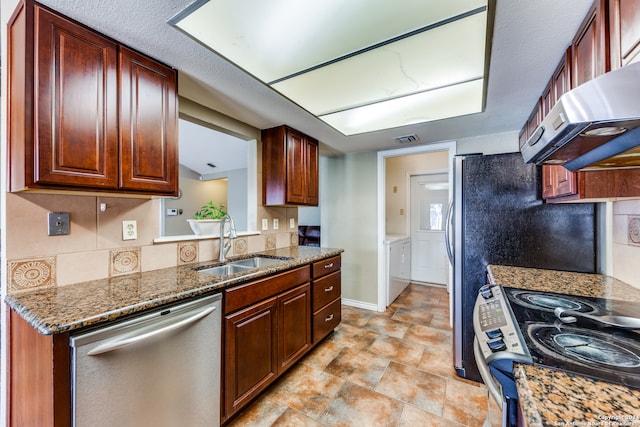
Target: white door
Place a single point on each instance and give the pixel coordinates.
(429, 196)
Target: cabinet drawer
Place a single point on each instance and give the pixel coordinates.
(252, 292)
(325, 320)
(326, 266)
(326, 290)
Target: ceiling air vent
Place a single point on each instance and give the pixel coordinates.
(406, 139)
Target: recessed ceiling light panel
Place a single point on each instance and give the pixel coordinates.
(361, 61)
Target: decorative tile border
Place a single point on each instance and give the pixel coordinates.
(32, 273)
(633, 236)
(270, 241)
(124, 261)
(240, 246)
(187, 252)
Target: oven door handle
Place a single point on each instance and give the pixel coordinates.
(486, 374)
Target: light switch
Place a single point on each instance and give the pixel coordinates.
(276, 223)
(58, 223)
(292, 223)
(265, 224)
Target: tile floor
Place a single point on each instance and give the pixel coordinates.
(379, 369)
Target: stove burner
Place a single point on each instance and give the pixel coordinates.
(590, 349)
(549, 301)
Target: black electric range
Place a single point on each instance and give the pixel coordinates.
(584, 346)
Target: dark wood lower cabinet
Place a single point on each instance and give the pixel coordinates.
(39, 385)
(250, 353)
(294, 330)
(262, 341)
(270, 324)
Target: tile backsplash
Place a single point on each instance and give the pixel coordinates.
(626, 241)
(94, 249)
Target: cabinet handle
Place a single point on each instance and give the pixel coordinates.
(125, 341)
(329, 318)
(329, 289)
(328, 265)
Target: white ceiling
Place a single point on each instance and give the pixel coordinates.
(529, 39)
(200, 146)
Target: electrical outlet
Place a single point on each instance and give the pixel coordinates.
(276, 223)
(129, 230)
(265, 224)
(58, 223)
(292, 223)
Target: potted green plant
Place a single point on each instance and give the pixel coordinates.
(206, 220)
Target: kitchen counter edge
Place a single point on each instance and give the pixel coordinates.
(68, 308)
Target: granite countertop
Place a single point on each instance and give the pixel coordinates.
(550, 397)
(67, 308)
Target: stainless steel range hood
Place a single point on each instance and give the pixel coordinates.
(594, 126)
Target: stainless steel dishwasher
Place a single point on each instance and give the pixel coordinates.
(161, 368)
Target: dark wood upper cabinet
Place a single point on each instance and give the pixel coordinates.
(590, 55)
(561, 79)
(624, 28)
(556, 180)
(608, 38)
(86, 113)
(148, 127)
(289, 167)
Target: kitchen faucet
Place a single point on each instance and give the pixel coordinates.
(224, 247)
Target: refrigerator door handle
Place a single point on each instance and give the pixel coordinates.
(447, 232)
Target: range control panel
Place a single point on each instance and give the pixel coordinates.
(495, 328)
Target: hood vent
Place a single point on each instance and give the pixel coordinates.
(592, 126)
(406, 139)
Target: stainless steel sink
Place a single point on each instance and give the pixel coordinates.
(226, 270)
(241, 266)
(256, 262)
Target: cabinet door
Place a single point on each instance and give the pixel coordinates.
(294, 325)
(312, 173)
(590, 57)
(624, 24)
(250, 353)
(148, 125)
(296, 170)
(546, 101)
(548, 186)
(565, 182)
(75, 105)
(561, 79)
(558, 182)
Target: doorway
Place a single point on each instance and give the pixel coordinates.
(429, 201)
(383, 215)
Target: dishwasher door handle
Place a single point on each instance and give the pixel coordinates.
(119, 343)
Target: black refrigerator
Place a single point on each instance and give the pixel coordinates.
(500, 218)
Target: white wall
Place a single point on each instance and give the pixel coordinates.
(309, 215)
(397, 185)
(348, 197)
(237, 201)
